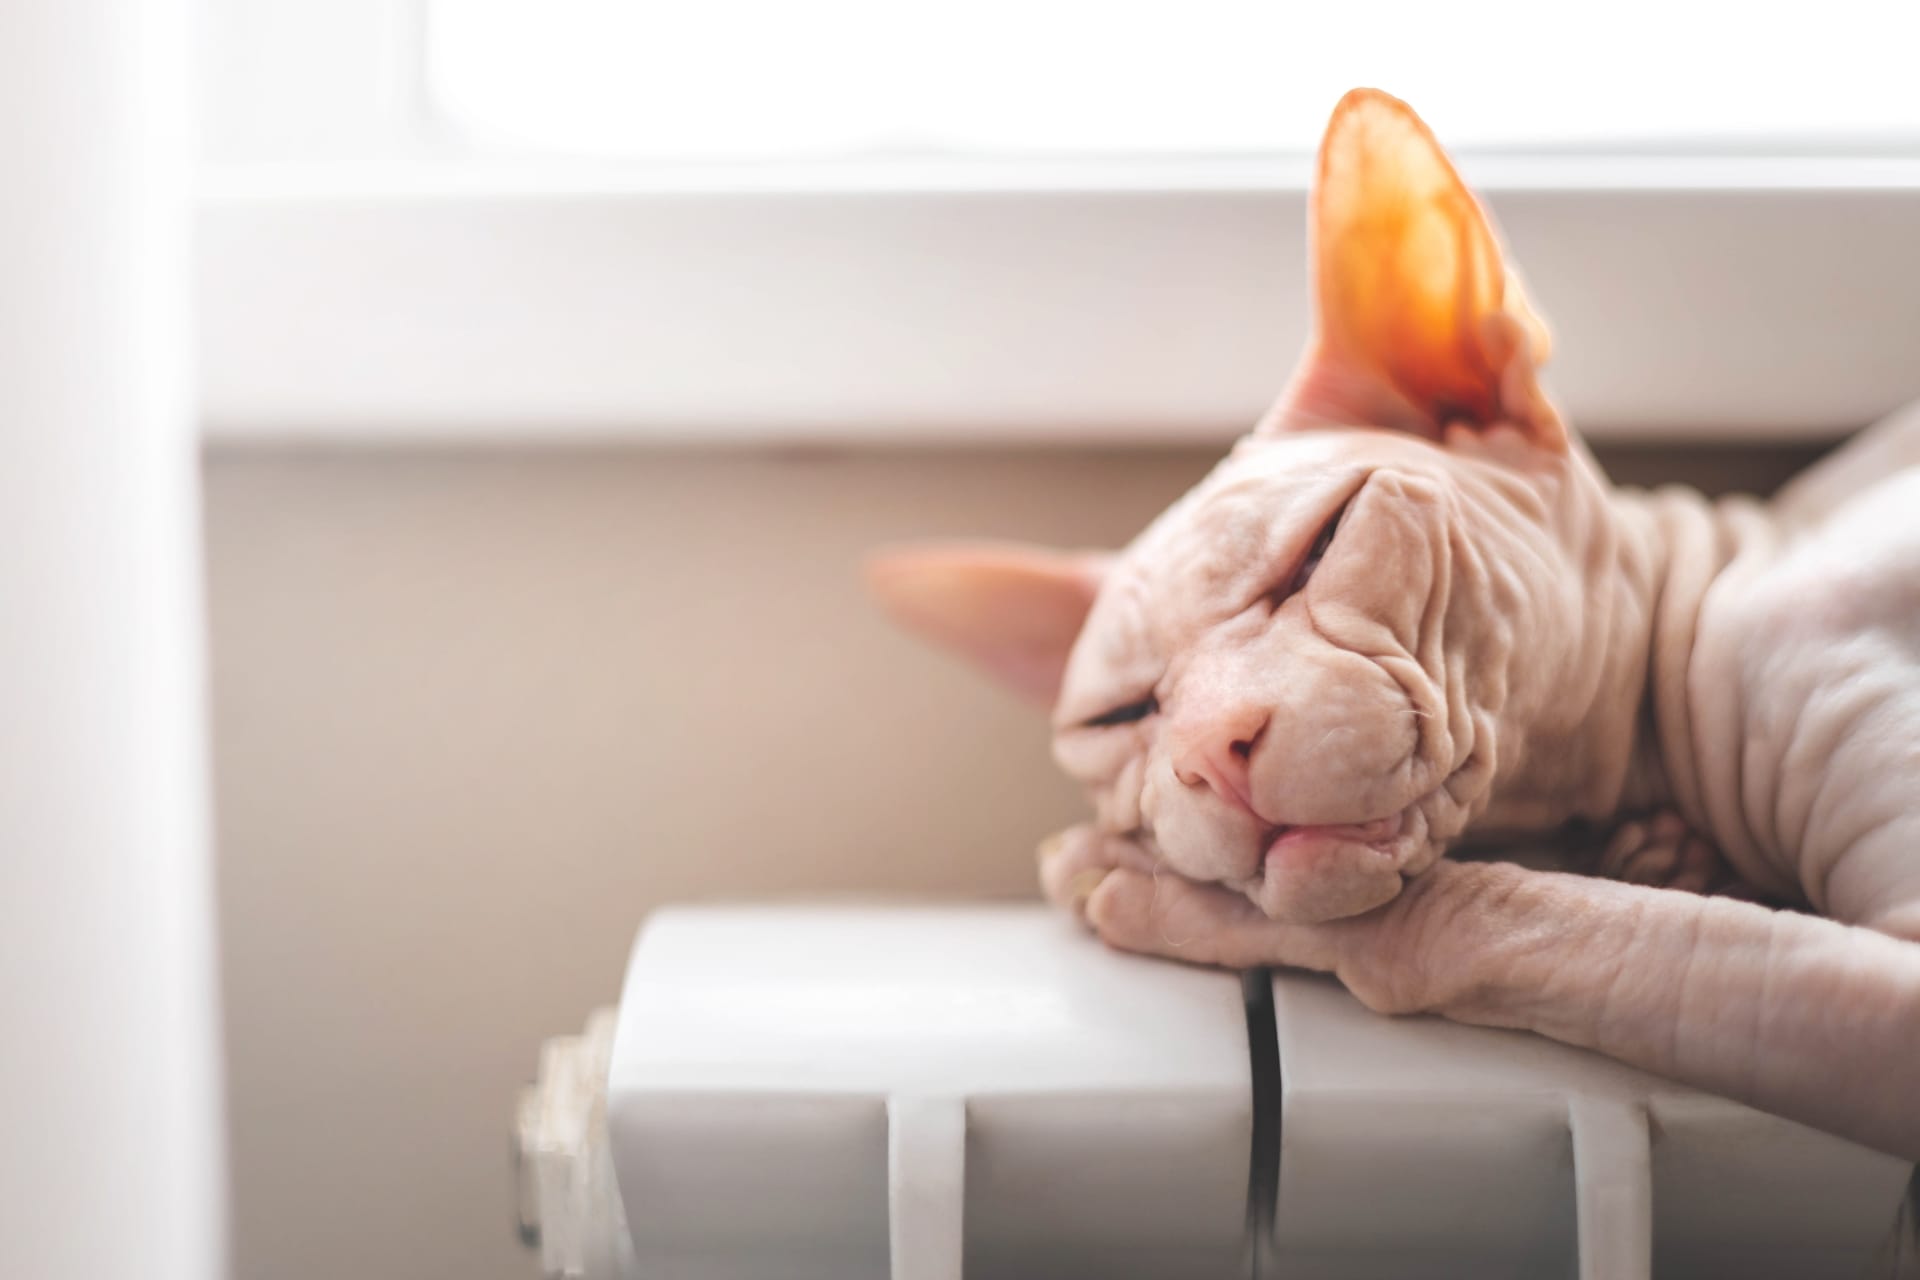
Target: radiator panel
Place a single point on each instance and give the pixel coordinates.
(917, 1091)
(1106, 1100)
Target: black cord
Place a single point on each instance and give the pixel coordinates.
(1263, 1161)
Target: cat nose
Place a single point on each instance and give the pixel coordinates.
(1218, 753)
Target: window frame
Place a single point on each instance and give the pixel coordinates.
(381, 283)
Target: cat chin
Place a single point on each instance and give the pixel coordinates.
(1312, 875)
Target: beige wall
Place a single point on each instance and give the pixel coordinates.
(475, 714)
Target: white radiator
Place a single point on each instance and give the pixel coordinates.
(843, 1092)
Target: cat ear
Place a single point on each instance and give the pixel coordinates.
(1013, 610)
(1420, 324)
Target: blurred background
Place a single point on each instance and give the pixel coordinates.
(557, 361)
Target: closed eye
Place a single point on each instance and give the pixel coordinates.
(1127, 714)
(1315, 554)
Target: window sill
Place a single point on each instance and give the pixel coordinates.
(1691, 299)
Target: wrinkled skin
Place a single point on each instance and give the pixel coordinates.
(1410, 609)
(1312, 748)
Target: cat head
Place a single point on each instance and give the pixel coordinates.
(1302, 679)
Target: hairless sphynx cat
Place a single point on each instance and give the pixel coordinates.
(1409, 609)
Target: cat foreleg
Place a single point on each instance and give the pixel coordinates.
(1769, 1007)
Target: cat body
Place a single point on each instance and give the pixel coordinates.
(1794, 728)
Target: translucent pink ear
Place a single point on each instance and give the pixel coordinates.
(1012, 610)
(1420, 324)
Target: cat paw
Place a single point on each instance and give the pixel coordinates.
(1074, 862)
(1661, 851)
